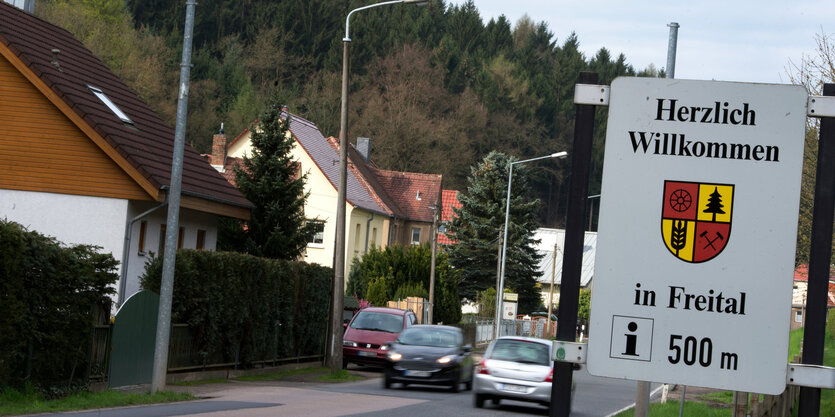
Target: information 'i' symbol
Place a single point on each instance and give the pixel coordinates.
(631, 339)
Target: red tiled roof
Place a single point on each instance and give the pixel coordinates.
(415, 194)
(449, 200)
(147, 144)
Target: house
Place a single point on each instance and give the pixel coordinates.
(86, 160)
(382, 208)
(551, 245)
(799, 292)
(449, 201)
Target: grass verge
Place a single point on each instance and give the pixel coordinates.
(30, 402)
(340, 376)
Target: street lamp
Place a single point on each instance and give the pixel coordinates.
(500, 290)
(335, 345)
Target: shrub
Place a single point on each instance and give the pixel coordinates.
(48, 295)
(238, 305)
(396, 272)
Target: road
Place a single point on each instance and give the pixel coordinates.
(594, 396)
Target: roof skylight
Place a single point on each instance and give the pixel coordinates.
(110, 105)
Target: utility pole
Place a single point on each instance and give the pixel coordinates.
(432, 263)
(551, 293)
(166, 291)
(496, 313)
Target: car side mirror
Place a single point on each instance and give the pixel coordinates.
(344, 326)
(468, 348)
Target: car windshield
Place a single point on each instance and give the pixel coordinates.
(381, 322)
(429, 337)
(521, 351)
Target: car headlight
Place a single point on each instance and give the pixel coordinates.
(445, 359)
(349, 343)
(395, 356)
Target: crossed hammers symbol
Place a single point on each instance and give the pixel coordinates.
(709, 241)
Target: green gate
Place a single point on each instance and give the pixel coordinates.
(134, 337)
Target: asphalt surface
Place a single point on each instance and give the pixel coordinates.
(593, 396)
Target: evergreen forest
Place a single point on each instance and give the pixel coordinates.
(426, 82)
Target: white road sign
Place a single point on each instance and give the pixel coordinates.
(696, 242)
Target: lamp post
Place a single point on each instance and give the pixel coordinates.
(500, 290)
(335, 342)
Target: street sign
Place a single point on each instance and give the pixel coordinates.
(696, 240)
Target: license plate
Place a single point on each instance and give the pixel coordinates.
(366, 353)
(514, 388)
(410, 372)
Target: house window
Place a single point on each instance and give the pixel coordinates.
(161, 245)
(415, 236)
(357, 238)
(374, 237)
(297, 169)
(201, 239)
(143, 225)
(110, 105)
(162, 230)
(798, 317)
(317, 240)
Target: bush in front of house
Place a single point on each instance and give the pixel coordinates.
(242, 308)
(48, 296)
(397, 272)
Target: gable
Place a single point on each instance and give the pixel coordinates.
(45, 151)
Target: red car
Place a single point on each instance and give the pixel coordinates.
(368, 332)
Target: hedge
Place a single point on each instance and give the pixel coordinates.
(48, 297)
(238, 305)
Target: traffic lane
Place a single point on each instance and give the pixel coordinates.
(600, 396)
(437, 401)
(593, 397)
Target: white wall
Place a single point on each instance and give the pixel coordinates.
(191, 221)
(101, 221)
(71, 219)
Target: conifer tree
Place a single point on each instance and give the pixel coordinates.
(269, 179)
(475, 227)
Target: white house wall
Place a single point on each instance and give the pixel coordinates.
(191, 221)
(321, 205)
(70, 219)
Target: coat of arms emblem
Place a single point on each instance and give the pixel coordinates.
(696, 219)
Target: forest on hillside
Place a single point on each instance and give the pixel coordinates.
(436, 87)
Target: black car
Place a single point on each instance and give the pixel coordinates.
(429, 354)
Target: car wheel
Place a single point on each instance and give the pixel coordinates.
(478, 400)
(386, 379)
(456, 383)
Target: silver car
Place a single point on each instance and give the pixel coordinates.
(515, 368)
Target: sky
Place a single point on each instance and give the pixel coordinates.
(749, 41)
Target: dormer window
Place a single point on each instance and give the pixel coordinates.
(110, 105)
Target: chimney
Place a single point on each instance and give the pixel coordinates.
(364, 148)
(219, 150)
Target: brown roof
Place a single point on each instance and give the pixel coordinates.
(449, 200)
(147, 144)
(415, 194)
